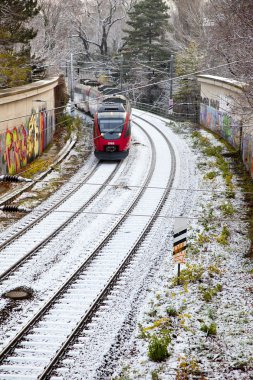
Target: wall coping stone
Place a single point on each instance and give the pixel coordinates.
(28, 87)
(227, 83)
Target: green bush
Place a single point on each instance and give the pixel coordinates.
(213, 269)
(196, 134)
(157, 349)
(230, 194)
(209, 293)
(192, 273)
(188, 368)
(223, 165)
(154, 375)
(211, 175)
(171, 312)
(213, 151)
(223, 238)
(209, 330)
(227, 209)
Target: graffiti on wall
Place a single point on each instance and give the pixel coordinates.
(221, 123)
(230, 129)
(21, 144)
(247, 150)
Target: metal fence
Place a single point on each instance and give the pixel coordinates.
(180, 112)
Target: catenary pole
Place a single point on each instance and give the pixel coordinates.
(171, 75)
(171, 84)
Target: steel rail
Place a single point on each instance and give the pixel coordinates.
(73, 216)
(46, 213)
(101, 297)
(10, 348)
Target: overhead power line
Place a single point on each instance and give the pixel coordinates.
(118, 186)
(164, 216)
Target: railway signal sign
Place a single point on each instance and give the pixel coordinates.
(170, 106)
(180, 243)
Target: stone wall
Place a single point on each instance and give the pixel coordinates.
(27, 123)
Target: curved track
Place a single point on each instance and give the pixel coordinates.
(39, 345)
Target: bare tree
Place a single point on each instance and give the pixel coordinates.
(229, 39)
(188, 19)
(52, 44)
(96, 22)
(51, 12)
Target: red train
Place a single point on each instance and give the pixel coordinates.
(112, 120)
(112, 131)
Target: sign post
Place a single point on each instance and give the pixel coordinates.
(180, 244)
(170, 106)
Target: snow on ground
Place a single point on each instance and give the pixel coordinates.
(206, 323)
(53, 264)
(107, 337)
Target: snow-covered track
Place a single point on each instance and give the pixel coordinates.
(34, 235)
(41, 213)
(40, 344)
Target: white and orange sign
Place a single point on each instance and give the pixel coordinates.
(180, 243)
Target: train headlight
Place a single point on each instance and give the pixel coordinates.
(102, 134)
(119, 134)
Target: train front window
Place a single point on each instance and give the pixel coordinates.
(111, 129)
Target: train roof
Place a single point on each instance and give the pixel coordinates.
(103, 87)
(110, 91)
(90, 82)
(115, 98)
(111, 107)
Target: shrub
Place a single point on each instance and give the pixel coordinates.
(157, 348)
(227, 209)
(211, 175)
(230, 194)
(203, 239)
(223, 238)
(213, 269)
(154, 375)
(187, 368)
(208, 294)
(223, 165)
(209, 330)
(218, 287)
(171, 312)
(192, 273)
(196, 134)
(213, 151)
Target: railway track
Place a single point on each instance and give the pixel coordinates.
(27, 241)
(54, 327)
(42, 212)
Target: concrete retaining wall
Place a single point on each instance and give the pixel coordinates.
(221, 110)
(27, 123)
